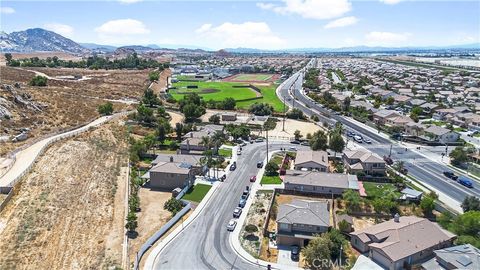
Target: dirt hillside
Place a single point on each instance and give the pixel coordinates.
(68, 212)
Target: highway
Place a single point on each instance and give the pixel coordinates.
(421, 168)
(204, 243)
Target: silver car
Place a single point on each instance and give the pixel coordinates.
(231, 225)
(237, 212)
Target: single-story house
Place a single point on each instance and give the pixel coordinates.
(299, 220)
(312, 160)
(309, 182)
(456, 257)
(401, 241)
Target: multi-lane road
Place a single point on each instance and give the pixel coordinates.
(421, 168)
(204, 243)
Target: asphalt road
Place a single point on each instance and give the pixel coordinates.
(419, 167)
(204, 243)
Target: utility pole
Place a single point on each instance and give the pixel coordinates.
(390, 154)
(283, 126)
(266, 130)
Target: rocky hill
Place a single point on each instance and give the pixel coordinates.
(37, 39)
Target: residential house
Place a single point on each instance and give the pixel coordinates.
(192, 141)
(414, 129)
(309, 182)
(409, 194)
(173, 171)
(456, 257)
(312, 161)
(380, 117)
(359, 161)
(439, 134)
(299, 220)
(401, 241)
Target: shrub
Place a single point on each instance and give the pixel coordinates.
(105, 109)
(250, 228)
(38, 81)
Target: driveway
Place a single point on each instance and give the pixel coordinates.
(284, 256)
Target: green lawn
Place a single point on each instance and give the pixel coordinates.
(268, 96)
(271, 180)
(277, 159)
(253, 77)
(377, 190)
(225, 152)
(197, 192)
(216, 91)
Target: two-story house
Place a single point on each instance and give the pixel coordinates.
(358, 161)
(299, 220)
(311, 160)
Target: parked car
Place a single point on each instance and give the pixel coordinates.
(233, 166)
(242, 202)
(239, 152)
(295, 253)
(367, 141)
(450, 175)
(292, 148)
(388, 160)
(305, 143)
(350, 134)
(237, 212)
(253, 178)
(295, 142)
(231, 225)
(465, 181)
(260, 164)
(223, 177)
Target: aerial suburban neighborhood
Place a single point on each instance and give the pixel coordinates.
(272, 135)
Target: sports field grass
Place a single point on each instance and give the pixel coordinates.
(268, 96)
(216, 91)
(252, 77)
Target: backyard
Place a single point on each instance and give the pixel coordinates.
(378, 190)
(196, 193)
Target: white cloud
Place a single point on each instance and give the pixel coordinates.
(62, 29)
(129, 1)
(247, 34)
(310, 9)
(7, 10)
(386, 38)
(123, 27)
(342, 22)
(391, 2)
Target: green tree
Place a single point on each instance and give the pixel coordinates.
(297, 135)
(106, 108)
(153, 75)
(38, 81)
(131, 222)
(163, 128)
(150, 98)
(317, 250)
(193, 111)
(467, 224)
(228, 104)
(427, 204)
(215, 119)
(336, 143)
(173, 206)
(458, 156)
(179, 131)
(338, 241)
(137, 149)
(8, 58)
(471, 203)
(145, 115)
(390, 101)
(319, 141)
(271, 169)
(344, 226)
(261, 109)
(352, 200)
(295, 114)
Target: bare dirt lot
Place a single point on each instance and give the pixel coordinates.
(63, 104)
(64, 216)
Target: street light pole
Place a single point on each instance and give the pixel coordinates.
(283, 126)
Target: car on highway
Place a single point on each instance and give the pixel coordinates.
(233, 166)
(450, 175)
(465, 181)
(260, 164)
(237, 212)
(259, 140)
(253, 178)
(367, 141)
(292, 148)
(295, 253)
(231, 225)
(358, 139)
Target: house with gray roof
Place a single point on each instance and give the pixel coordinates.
(440, 134)
(402, 241)
(311, 160)
(299, 220)
(456, 257)
(308, 182)
(360, 161)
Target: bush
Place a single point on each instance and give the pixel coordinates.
(173, 206)
(250, 228)
(215, 119)
(261, 109)
(105, 109)
(38, 81)
(271, 169)
(154, 76)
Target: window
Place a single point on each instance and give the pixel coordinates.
(284, 226)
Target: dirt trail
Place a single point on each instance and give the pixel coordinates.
(68, 213)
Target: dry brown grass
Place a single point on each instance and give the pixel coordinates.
(64, 215)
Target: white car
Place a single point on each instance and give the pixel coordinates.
(231, 225)
(239, 152)
(237, 212)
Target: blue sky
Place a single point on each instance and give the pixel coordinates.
(256, 24)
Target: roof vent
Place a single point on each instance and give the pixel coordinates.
(396, 218)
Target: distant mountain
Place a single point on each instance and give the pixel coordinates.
(38, 39)
(98, 47)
